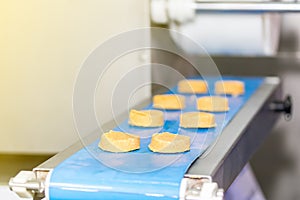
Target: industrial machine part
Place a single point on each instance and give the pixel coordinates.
(181, 11)
(28, 184)
(284, 106)
(240, 139)
(216, 168)
(200, 188)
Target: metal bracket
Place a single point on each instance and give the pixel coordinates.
(285, 106)
(200, 188)
(29, 184)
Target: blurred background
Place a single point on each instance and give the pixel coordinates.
(44, 43)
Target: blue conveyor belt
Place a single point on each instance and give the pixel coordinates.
(140, 174)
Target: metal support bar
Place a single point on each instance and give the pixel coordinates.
(221, 6)
(181, 11)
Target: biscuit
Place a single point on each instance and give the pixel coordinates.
(197, 120)
(213, 104)
(146, 118)
(114, 141)
(169, 101)
(192, 86)
(234, 88)
(169, 143)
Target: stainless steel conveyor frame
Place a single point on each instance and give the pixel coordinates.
(217, 167)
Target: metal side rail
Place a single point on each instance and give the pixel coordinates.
(224, 160)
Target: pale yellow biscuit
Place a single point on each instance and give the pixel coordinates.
(192, 86)
(213, 104)
(197, 120)
(146, 118)
(169, 143)
(114, 141)
(169, 101)
(234, 88)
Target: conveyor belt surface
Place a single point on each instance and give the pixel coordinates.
(141, 174)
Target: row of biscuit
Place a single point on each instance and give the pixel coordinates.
(168, 142)
(207, 103)
(231, 87)
(165, 142)
(155, 118)
(177, 102)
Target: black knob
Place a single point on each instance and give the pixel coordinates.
(284, 106)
